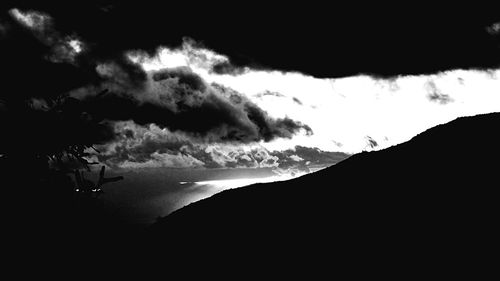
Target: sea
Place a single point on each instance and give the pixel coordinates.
(148, 194)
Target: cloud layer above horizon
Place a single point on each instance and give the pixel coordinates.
(187, 103)
(348, 114)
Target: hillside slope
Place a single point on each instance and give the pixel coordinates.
(432, 199)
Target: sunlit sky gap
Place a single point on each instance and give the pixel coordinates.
(345, 113)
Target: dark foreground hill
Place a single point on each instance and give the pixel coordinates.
(425, 206)
(429, 203)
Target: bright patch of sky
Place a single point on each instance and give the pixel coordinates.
(346, 112)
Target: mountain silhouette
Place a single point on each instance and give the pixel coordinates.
(424, 208)
(429, 203)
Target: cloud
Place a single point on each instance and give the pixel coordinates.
(157, 160)
(435, 94)
(269, 93)
(56, 71)
(230, 156)
(32, 19)
(61, 48)
(302, 156)
(436, 39)
(371, 143)
(337, 143)
(60, 58)
(180, 100)
(296, 158)
(151, 146)
(226, 67)
(493, 29)
(137, 146)
(297, 101)
(347, 56)
(439, 97)
(146, 146)
(54, 61)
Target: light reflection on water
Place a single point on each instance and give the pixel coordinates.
(150, 194)
(196, 191)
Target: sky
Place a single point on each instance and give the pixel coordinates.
(348, 114)
(260, 87)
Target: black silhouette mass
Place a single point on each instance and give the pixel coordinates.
(66, 80)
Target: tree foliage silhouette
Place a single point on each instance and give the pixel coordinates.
(48, 137)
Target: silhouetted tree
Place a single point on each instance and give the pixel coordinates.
(41, 147)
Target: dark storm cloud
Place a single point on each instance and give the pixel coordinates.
(48, 52)
(227, 68)
(180, 100)
(25, 58)
(383, 41)
(38, 37)
(269, 128)
(120, 67)
(41, 48)
(314, 39)
(39, 65)
(62, 49)
(184, 77)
